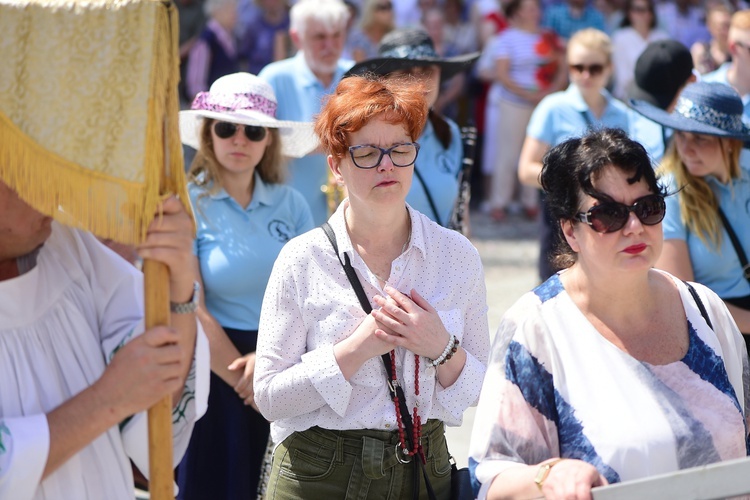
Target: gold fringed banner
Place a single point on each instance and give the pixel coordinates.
(88, 110)
(70, 193)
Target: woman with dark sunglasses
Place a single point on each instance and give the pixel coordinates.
(584, 104)
(320, 376)
(609, 371)
(244, 217)
(703, 164)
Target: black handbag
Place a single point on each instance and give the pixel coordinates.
(460, 483)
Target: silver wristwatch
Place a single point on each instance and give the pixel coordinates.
(187, 307)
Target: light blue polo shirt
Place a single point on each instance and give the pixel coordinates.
(564, 115)
(300, 96)
(236, 247)
(439, 169)
(717, 268)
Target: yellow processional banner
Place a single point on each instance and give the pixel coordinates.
(88, 110)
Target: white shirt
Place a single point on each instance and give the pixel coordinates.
(60, 324)
(309, 306)
(627, 46)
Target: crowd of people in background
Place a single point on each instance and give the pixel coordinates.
(529, 75)
(606, 121)
(223, 36)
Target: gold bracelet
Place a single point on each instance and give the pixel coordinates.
(543, 472)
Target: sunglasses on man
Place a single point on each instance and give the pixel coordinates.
(225, 130)
(612, 216)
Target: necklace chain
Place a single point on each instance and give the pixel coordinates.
(403, 248)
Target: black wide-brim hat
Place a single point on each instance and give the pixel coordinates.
(708, 108)
(404, 49)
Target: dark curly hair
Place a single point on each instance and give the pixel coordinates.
(570, 169)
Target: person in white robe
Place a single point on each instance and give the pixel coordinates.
(77, 369)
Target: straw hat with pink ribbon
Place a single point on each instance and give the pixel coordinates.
(245, 99)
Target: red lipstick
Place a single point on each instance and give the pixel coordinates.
(635, 249)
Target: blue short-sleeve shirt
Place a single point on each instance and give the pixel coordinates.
(717, 268)
(236, 247)
(439, 169)
(563, 115)
(300, 96)
(560, 19)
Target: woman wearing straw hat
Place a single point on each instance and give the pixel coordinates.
(713, 194)
(244, 218)
(411, 51)
(331, 358)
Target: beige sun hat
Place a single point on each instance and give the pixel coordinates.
(248, 100)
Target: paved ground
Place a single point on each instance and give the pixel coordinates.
(509, 252)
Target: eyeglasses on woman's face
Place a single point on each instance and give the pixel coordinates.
(384, 7)
(225, 130)
(592, 69)
(369, 156)
(612, 216)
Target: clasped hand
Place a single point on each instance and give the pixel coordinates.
(409, 322)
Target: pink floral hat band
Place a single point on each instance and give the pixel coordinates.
(227, 103)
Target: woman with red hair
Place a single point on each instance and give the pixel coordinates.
(355, 389)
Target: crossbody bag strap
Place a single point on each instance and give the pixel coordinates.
(351, 274)
(427, 193)
(396, 392)
(736, 244)
(585, 115)
(699, 303)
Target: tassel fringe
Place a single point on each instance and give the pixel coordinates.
(107, 206)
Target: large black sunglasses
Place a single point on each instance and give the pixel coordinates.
(594, 70)
(225, 130)
(369, 156)
(611, 216)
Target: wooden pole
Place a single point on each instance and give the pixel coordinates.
(161, 477)
(156, 294)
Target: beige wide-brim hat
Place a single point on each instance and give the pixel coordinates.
(245, 99)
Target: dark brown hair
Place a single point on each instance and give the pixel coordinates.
(570, 169)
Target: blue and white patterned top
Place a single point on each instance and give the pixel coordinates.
(555, 387)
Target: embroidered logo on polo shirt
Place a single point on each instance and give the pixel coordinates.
(280, 230)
